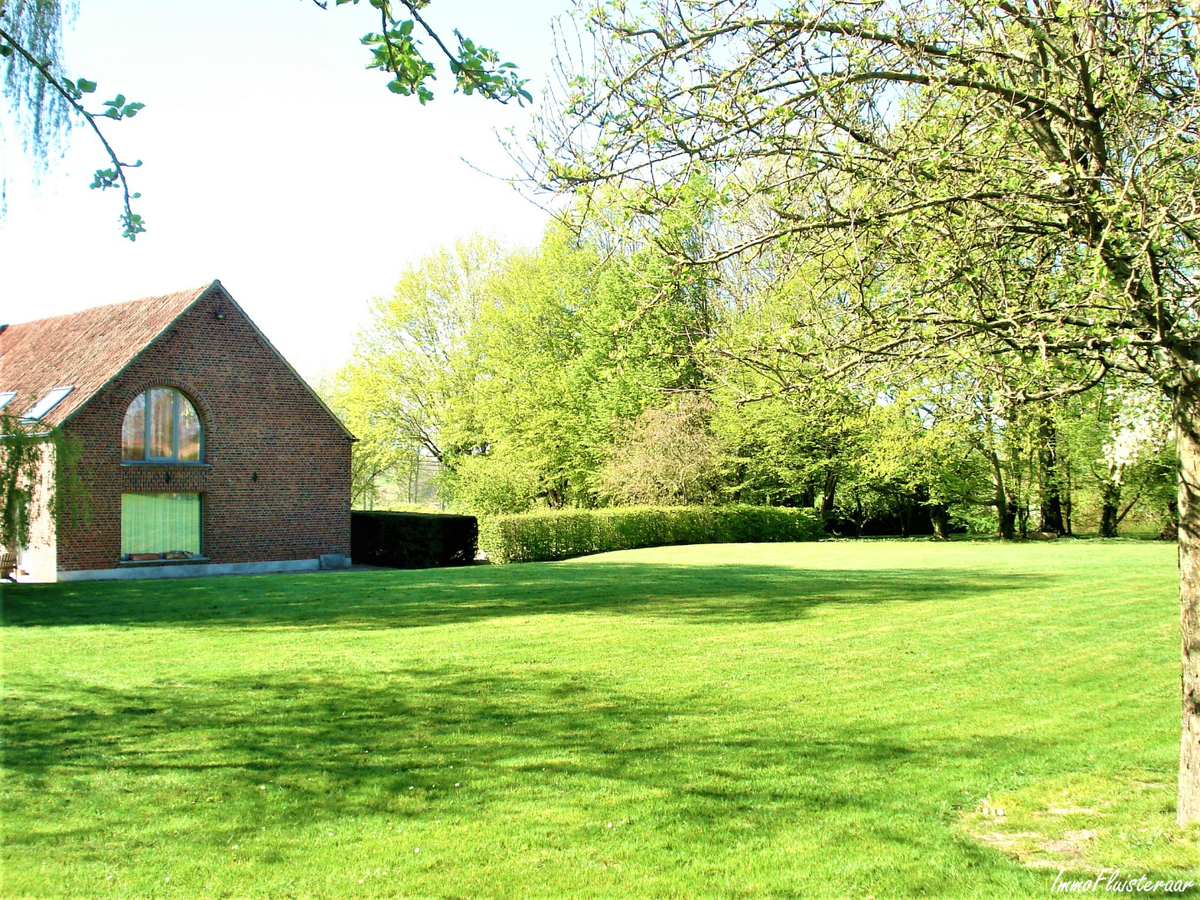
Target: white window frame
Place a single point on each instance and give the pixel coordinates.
(52, 398)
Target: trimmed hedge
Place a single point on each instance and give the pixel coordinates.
(530, 537)
(403, 540)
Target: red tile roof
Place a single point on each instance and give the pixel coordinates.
(85, 350)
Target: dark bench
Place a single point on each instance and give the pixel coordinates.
(8, 565)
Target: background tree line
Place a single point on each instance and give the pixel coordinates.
(594, 371)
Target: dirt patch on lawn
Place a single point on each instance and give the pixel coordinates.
(1088, 823)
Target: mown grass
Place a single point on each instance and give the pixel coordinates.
(809, 720)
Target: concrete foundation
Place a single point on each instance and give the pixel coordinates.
(190, 570)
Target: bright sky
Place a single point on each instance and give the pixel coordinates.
(273, 161)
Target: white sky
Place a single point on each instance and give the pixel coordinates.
(272, 160)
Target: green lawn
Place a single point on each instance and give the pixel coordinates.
(808, 720)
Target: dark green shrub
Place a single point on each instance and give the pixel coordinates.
(404, 540)
(528, 537)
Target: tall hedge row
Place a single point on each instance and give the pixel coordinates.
(405, 540)
(530, 537)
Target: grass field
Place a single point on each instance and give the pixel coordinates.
(811, 720)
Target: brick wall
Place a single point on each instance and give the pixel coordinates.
(275, 476)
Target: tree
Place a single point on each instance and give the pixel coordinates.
(923, 450)
(517, 368)
(1131, 455)
(1017, 184)
(39, 474)
(669, 456)
(534, 395)
(47, 102)
(412, 369)
(20, 473)
(384, 455)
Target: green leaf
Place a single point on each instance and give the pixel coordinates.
(103, 179)
(134, 225)
(85, 86)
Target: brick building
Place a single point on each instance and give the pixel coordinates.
(201, 451)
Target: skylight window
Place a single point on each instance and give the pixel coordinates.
(5, 396)
(46, 404)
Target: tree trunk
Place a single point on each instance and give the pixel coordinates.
(1187, 427)
(1068, 504)
(1006, 508)
(1051, 510)
(1110, 509)
(808, 496)
(827, 496)
(941, 522)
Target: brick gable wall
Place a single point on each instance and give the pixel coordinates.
(276, 473)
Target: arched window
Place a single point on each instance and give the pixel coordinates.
(161, 425)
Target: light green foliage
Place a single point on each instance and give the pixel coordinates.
(20, 471)
(412, 370)
(790, 450)
(1137, 483)
(561, 534)
(1005, 193)
(580, 342)
(384, 454)
(488, 359)
(397, 51)
(910, 463)
(39, 473)
(547, 377)
(517, 368)
(860, 445)
(1012, 183)
(498, 482)
(533, 396)
(914, 450)
(721, 707)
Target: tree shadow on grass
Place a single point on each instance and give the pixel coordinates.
(223, 759)
(410, 599)
(96, 769)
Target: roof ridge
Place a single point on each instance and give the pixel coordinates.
(196, 291)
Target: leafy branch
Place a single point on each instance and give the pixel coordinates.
(395, 50)
(118, 108)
